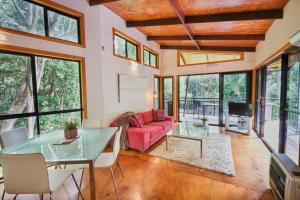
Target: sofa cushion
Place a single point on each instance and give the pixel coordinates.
(147, 117)
(156, 132)
(140, 117)
(166, 125)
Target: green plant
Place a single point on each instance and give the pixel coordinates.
(71, 125)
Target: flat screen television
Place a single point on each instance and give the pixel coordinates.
(241, 109)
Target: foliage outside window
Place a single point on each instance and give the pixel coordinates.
(30, 17)
(168, 95)
(125, 47)
(156, 95)
(54, 85)
(186, 58)
(150, 58)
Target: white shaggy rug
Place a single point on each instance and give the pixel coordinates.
(216, 155)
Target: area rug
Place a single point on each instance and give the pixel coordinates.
(216, 155)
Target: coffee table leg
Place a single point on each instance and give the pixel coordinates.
(200, 148)
(167, 143)
(92, 181)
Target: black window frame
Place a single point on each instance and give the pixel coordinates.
(46, 22)
(149, 59)
(117, 33)
(36, 112)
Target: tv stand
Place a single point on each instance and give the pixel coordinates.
(238, 124)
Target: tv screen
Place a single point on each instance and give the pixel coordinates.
(240, 109)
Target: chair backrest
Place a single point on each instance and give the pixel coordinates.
(91, 123)
(25, 173)
(13, 137)
(117, 143)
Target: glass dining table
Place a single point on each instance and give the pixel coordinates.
(84, 150)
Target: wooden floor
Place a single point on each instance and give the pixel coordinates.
(152, 178)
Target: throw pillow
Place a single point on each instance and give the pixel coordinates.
(154, 114)
(140, 117)
(133, 122)
(160, 115)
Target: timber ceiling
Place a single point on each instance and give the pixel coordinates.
(236, 25)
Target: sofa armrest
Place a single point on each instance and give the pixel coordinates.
(169, 118)
(138, 138)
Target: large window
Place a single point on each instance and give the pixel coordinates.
(156, 93)
(168, 95)
(39, 93)
(150, 57)
(125, 47)
(30, 17)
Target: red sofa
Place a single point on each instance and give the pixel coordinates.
(142, 138)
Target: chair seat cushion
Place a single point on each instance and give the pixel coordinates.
(166, 125)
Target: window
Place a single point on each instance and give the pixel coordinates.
(156, 93)
(125, 47)
(150, 57)
(39, 93)
(40, 20)
(168, 95)
(186, 58)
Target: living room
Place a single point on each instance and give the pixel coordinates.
(205, 95)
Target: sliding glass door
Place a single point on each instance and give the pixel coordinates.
(39, 93)
(168, 95)
(293, 107)
(272, 104)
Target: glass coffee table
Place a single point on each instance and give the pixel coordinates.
(189, 130)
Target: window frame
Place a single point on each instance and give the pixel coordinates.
(116, 32)
(179, 56)
(14, 50)
(61, 10)
(151, 51)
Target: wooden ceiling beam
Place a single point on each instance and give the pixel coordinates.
(98, 2)
(210, 37)
(175, 5)
(222, 17)
(210, 48)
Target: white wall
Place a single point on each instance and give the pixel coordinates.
(101, 66)
(113, 65)
(280, 32)
(169, 62)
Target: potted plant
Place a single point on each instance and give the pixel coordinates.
(70, 130)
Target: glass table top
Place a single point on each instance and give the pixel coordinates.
(87, 147)
(190, 130)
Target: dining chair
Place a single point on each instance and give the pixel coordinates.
(106, 160)
(28, 174)
(13, 137)
(91, 123)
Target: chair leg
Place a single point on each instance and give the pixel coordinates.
(113, 178)
(3, 194)
(80, 184)
(15, 197)
(77, 187)
(118, 163)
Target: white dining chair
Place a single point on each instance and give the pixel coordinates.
(28, 174)
(105, 160)
(91, 123)
(13, 137)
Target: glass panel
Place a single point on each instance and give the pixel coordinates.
(63, 27)
(153, 62)
(28, 123)
(56, 121)
(199, 98)
(236, 92)
(258, 100)
(22, 16)
(168, 96)
(131, 51)
(156, 93)
(293, 112)
(15, 85)
(120, 46)
(272, 104)
(58, 84)
(146, 57)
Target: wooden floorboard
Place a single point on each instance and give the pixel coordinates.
(152, 178)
